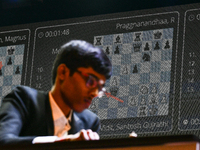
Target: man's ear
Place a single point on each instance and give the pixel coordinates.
(62, 71)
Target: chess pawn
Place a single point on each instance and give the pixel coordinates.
(135, 70)
(116, 50)
(107, 51)
(157, 47)
(17, 70)
(9, 61)
(146, 48)
(93, 106)
(114, 82)
(164, 99)
(167, 46)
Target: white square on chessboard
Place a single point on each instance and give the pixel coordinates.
(8, 70)
(165, 66)
(134, 79)
(1, 80)
(123, 91)
(6, 90)
(122, 112)
(116, 60)
(3, 60)
(164, 87)
(18, 59)
(154, 77)
(16, 80)
(127, 48)
(145, 67)
(136, 58)
(112, 103)
(102, 113)
(163, 109)
(156, 56)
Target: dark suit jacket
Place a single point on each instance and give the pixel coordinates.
(26, 113)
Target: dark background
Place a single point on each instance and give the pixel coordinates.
(14, 12)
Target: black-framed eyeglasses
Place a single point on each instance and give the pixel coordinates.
(92, 81)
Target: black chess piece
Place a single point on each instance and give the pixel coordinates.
(0, 72)
(107, 51)
(146, 48)
(157, 35)
(157, 47)
(135, 70)
(114, 90)
(116, 50)
(167, 46)
(17, 70)
(9, 61)
(118, 39)
(11, 51)
(98, 41)
(146, 57)
(137, 38)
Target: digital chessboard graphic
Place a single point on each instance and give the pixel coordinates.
(11, 64)
(141, 74)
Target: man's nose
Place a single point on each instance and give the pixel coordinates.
(94, 92)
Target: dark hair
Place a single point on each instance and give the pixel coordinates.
(78, 53)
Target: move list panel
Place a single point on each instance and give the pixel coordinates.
(13, 54)
(189, 114)
(142, 50)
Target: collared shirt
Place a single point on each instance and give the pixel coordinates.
(61, 123)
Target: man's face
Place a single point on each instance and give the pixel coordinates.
(79, 89)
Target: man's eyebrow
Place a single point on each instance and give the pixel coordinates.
(94, 76)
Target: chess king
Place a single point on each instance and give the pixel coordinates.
(31, 116)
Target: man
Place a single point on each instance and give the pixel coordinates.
(78, 75)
